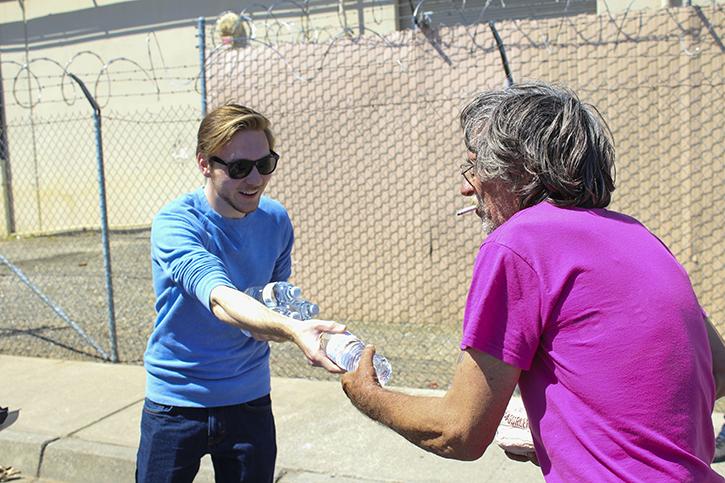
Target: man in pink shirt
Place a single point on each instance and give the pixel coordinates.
(582, 307)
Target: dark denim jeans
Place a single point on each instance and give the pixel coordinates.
(239, 438)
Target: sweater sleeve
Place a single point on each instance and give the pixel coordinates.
(283, 265)
(179, 248)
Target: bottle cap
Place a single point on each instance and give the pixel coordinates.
(295, 292)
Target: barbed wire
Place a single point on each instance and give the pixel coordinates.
(278, 32)
(546, 42)
(66, 69)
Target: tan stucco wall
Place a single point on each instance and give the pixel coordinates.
(371, 142)
(621, 6)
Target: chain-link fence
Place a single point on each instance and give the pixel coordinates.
(148, 159)
(367, 130)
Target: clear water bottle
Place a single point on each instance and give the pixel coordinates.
(289, 311)
(285, 298)
(256, 293)
(274, 294)
(306, 309)
(345, 350)
(280, 293)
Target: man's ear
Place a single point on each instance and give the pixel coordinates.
(203, 164)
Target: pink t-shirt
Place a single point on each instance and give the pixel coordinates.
(603, 321)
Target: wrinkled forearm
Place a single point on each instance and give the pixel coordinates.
(459, 425)
(428, 422)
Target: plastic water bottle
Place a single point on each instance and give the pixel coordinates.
(285, 298)
(289, 311)
(256, 293)
(306, 309)
(275, 293)
(345, 350)
(280, 293)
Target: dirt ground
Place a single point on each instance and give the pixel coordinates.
(68, 270)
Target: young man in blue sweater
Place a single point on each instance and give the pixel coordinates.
(208, 383)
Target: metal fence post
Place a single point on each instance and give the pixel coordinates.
(201, 33)
(104, 218)
(5, 171)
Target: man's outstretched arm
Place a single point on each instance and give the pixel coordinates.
(459, 425)
(239, 309)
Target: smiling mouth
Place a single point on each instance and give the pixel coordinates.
(248, 193)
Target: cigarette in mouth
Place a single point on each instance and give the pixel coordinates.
(465, 210)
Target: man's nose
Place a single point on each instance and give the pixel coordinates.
(466, 188)
(254, 177)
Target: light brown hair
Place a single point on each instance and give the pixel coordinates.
(220, 125)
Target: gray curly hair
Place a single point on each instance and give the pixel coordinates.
(545, 142)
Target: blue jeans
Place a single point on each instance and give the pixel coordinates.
(239, 438)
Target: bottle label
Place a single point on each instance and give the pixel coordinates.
(268, 295)
(336, 345)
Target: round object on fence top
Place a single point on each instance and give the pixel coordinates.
(230, 29)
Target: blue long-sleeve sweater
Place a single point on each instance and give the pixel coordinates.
(192, 358)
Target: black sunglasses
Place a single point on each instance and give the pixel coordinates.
(240, 168)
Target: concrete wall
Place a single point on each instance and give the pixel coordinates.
(140, 60)
(158, 37)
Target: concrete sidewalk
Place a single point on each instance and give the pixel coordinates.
(79, 422)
